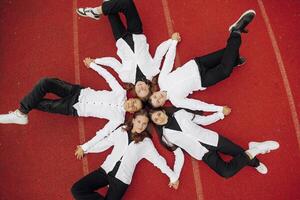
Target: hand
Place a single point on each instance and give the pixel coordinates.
(176, 36)
(79, 153)
(174, 185)
(88, 61)
(226, 110)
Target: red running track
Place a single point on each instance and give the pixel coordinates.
(39, 39)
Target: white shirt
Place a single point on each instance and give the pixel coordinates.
(192, 134)
(103, 104)
(118, 139)
(131, 154)
(140, 57)
(182, 82)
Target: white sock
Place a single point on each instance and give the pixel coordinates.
(253, 152)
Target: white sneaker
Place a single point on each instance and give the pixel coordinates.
(264, 147)
(88, 12)
(261, 168)
(14, 118)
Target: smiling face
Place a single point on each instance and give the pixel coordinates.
(140, 123)
(142, 89)
(133, 105)
(159, 117)
(158, 99)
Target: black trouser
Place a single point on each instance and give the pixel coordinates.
(85, 188)
(218, 65)
(69, 94)
(112, 9)
(227, 169)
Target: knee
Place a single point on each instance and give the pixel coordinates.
(75, 190)
(227, 72)
(226, 174)
(44, 80)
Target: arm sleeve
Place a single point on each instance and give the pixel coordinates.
(169, 59)
(158, 161)
(100, 135)
(101, 146)
(112, 81)
(207, 120)
(161, 51)
(179, 161)
(194, 104)
(110, 62)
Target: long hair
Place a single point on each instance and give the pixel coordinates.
(159, 128)
(137, 137)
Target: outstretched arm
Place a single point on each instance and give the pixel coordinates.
(109, 78)
(179, 161)
(100, 135)
(194, 104)
(209, 119)
(157, 160)
(110, 62)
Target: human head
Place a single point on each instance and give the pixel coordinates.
(138, 126)
(143, 90)
(158, 99)
(158, 116)
(133, 105)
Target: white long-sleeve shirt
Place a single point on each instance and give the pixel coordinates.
(139, 57)
(192, 134)
(181, 82)
(131, 154)
(102, 104)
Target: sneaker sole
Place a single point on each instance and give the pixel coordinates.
(255, 144)
(82, 15)
(245, 13)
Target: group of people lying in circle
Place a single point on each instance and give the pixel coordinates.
(154, 81)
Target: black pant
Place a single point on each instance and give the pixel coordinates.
(85, 188)
(227, 169)
(35, 99)
(218, 65)
(112, 9)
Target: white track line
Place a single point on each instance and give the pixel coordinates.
(282, 71)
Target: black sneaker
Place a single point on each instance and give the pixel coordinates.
(87, 12)
(241, 61)
(242, 22)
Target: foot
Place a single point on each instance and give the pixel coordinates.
(242, 22)
(261, 168)
(264, 147)
(241, 61)
(15, 117)
(88, 12)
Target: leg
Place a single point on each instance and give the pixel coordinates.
(117, 26)
(127, 7)
(62, 106)
(228, 147)
(116, 189)
(228, 61)
(85, 188)
(210, 60)
(46, 85)
(225, 169)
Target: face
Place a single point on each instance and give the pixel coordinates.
(141, 89)
(158, 99)
(140, 123)
(159, 118)
(133, 105)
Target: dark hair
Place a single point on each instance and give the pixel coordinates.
(159, 128)
(137, 137)
(153, 86)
